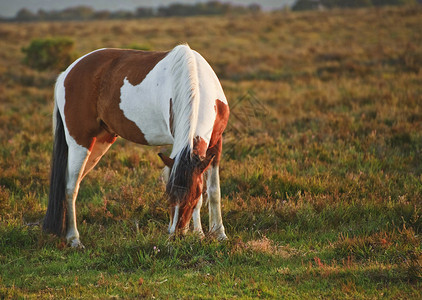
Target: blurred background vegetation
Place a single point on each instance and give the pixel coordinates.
(179, 9)
(329, 4)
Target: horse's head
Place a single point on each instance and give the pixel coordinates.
(184, 187)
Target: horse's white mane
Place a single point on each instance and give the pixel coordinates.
(185, 106)
(185, 101)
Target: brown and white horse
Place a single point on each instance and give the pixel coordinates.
(150, 98)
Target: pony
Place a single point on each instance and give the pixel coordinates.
(149, 98)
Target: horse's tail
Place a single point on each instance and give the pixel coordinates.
(55, 220)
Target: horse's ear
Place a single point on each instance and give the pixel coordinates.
(204, 164)
(169, 162)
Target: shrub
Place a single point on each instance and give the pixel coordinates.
(49, 54)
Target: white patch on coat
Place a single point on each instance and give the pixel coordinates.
(147, 105)
(175, 219)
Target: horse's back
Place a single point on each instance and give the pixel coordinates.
(91, 89)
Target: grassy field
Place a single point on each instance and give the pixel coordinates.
(321, 175)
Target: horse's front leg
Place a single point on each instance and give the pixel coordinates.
(196, 216)
(214, 203)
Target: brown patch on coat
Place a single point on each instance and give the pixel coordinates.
(106, 137)
(92, 91)
(220, 122)
(199, 147)
(216, 143)
(216, 151)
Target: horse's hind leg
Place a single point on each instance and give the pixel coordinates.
(77, 159)
(81, 161)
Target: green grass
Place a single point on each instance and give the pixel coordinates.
(119, 261)
(321, 175)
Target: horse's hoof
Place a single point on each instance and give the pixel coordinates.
(76, 244)
(199, 233)
(219, 233)
(222, 237)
